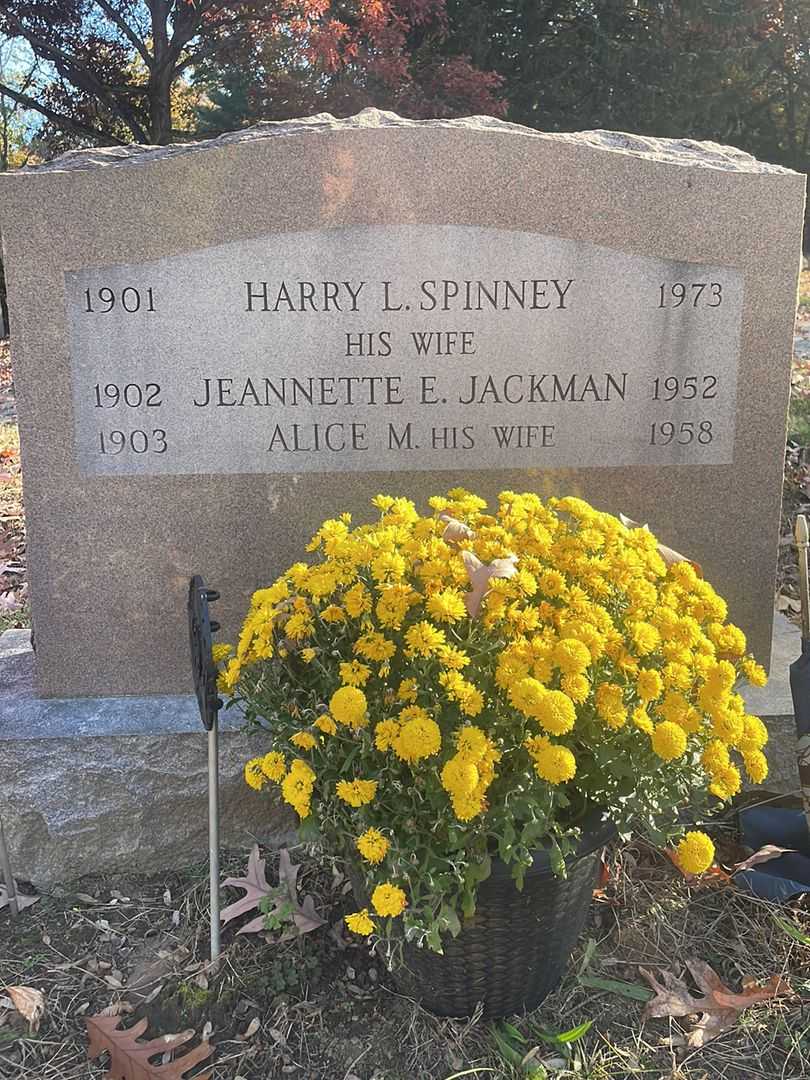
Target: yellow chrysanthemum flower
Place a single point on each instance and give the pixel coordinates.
(254, 774)
(360, 922)
(326, 724)
(668, 740)
(356, 792)
(553, 763)
(388, 900)
(304, 740)
(423, 639)
(419, 735)
(649, 685)
(385, 734)
(273, 765)
(348, 706)
(447, 606)
(372, 845)
(756, 765)
(220, 652)
(571, 656)
(695, 853)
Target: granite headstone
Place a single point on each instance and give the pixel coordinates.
(218, 344)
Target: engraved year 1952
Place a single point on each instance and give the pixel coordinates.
(692, 293)
(130, 299)
(692, 386)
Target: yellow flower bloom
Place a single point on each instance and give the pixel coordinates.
(756, 765)
(609, 699)
(423, 639)
(304, 740)
(695, 853)
(385, 734)
(642, 721)
(372, 845)
(273, 765)
(471, 743)
(447, 606)
(753, 672)
(360, 922)
(354, 673)
(571, 656)
(348, 706)
(649, 685)
(407, 690)
(388, 900)
(646, 638)
(577, 687)
(254, 774)
(553, 763)
(220, 652)
(668, 740)
(326, 724)
(460, 776)
(419, 736)
(356, 792)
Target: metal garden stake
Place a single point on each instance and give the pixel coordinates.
(800, 668)
(200, 629)
(5, 865)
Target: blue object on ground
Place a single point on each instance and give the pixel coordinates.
(788, 875)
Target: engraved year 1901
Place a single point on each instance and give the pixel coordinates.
(103, 301)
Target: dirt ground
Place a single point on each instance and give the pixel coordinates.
(321, 1007)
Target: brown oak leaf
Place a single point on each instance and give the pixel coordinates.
(129, 1058)
(718, 1008)
(480, 575)
(29, 1003)
(22, 901)
(282, 896)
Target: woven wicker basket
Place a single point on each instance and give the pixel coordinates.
(515, 949)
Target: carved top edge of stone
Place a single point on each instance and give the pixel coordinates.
(686, 152)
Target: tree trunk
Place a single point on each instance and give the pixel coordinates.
(160, 75)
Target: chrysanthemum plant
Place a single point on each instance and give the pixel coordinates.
(435, 691)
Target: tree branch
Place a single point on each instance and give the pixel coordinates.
(126, 30)
(63, 121)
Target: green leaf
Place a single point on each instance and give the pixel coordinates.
(451, 919)
(617, 986)
(791, 930)
(590, 950)
(510, 1029)
(506, 1050)
(564, 1036)
(308, 831)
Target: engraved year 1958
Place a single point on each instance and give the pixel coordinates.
(102, 301)
(692, 293)
(662, 434)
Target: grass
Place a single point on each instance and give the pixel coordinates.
(324, 1007)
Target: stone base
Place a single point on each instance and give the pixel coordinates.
(774, 703)
(91, 785)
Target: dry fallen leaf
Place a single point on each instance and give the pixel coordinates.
(22, 901)
(455, 531)
(129, 1058)
(256, 889)
(29, 1003)
(765, 854)
(718, 1008)
(480, 575)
